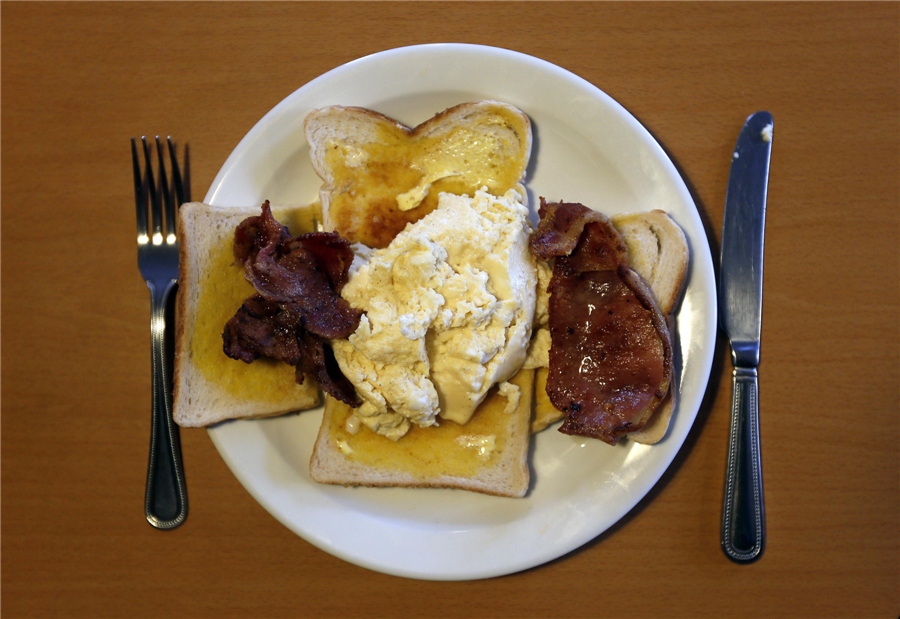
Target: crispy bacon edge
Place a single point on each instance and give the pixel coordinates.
(297, 307)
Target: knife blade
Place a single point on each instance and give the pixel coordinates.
(740, 311)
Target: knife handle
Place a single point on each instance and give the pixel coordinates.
(743, 514)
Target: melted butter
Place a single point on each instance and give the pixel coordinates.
(445, 449)
(396, 179)
(300, 219)
(483, 444)
(344, 447)
(221, 295)
(413, 198)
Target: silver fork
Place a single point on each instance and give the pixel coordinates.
(166, 497)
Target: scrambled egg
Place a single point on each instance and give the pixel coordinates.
(539, 349)
(448, 308)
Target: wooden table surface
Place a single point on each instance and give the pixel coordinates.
(79, 79)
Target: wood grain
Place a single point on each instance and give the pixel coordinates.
(78, 79)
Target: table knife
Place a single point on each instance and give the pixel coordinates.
(740, 309)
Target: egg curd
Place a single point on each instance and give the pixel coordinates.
(449, 306)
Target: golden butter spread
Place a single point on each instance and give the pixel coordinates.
(450, 448)
(221, 294)
(394, 179)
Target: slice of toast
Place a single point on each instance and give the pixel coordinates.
(657, 250)
(489, 454)
(210, 387)
(380, 175)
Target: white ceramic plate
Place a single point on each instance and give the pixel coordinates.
(587, 149)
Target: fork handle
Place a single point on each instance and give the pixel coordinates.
(743, 514)
(166, 499)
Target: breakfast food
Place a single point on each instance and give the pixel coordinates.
(657, 250)
(380, 175)
(489, 454)
(437, 357)
(420, 314)
(448, 313)
(208, 386)
(611, 353)
(448, 288)
(297, 305)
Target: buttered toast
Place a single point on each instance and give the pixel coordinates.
(657, 250)
(209, 387)
(488, 454)
(380, 175)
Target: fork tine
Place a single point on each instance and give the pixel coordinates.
(155, 206)
(139, 195)
(166, 194)
(176, 175)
